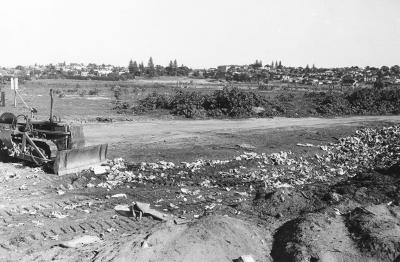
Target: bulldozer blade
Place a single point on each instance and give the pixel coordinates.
(78, 159)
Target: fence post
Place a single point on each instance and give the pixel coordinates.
(3, 99)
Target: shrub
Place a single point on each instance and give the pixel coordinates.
(122, 107)
(93, 92)
(82, 93)
(236, 103)
(152, 102)
(188, 104)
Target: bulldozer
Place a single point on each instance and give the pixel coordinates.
(53, 144)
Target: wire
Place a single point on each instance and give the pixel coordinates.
(23, 101)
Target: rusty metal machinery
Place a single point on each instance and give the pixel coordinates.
(54, 144)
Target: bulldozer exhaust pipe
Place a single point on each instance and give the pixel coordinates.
(51, 105)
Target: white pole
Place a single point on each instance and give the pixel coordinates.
(13, 82)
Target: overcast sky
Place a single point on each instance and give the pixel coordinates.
(202, 33)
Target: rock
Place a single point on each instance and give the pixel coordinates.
(80, 241)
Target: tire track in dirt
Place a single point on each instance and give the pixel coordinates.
(29, 227)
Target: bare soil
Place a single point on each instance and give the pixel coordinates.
(355, 219)
(188, 140)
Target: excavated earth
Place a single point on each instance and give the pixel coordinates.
(332, 201)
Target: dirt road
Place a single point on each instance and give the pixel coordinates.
(192, 139)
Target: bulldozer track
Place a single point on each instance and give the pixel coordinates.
(33, 225)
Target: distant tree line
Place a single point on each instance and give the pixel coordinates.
(152, 70)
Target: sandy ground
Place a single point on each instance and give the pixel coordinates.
(187, 140)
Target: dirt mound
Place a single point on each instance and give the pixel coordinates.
(214, 238)
(373, 187)
(365, 234)
(376, 230)
(290, 202)
(314, 237)
(354, 220)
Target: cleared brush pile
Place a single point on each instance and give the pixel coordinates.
(234, 103)
(237, 103)
(375, 101)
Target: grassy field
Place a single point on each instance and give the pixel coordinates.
(86, 100)
(82, 100)
(79, 100)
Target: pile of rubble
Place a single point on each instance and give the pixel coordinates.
(367, 148)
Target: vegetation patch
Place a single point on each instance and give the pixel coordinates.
(239, 103)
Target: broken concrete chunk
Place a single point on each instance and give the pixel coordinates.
(144, 208)
(99, 170)
(145, 244)
(80, 241)
(245, 258)
(123, 210)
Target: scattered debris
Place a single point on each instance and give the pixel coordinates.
(104, 119)
(306, 145)
(23, 187)
(80, 241)
(56, 214)
(246, 146)
(119, 196)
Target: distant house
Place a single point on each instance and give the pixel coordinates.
(286, 78)
(104, 72)
(370, 79)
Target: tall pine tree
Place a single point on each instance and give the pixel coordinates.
(150, 68)
(141, 68)
(135, 68)
(175, 70)
(130, 67)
